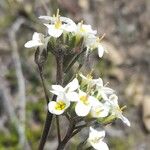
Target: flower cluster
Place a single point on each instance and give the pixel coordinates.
(88, 98)
(63, 33)
(84, 97)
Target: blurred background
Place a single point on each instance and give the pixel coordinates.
(126, 67)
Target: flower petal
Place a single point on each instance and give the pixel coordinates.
(95, 139)
(114, 99)
(52, 31)
(99, 111)
(98, 82)
(125, 120)
(48, 18)
(108, 90)
(100, 146)
(100, 50)
(96, 133)
(32, 43)
(72, 86)
(37, 36)
(81, 109)
(72, 96)
(51, 108)
(57, 88)
(62, 97)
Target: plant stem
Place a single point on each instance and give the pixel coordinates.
(58, 129)
(43, 83)
(67, 137)
(72, 62)
(48, 116)
(59, 75)
(47, 126)
(59, 80)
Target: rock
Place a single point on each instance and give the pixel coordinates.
(146, 112)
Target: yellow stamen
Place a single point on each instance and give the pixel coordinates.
(60, 105)
(58, 22)
(57, 14)
(81, 26)
(96, 140)
(102, 37)
(89, 76)
(118, 109)
(98, 110)
(84, 100)
(122, 108)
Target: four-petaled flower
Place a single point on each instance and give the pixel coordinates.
(59, 106)
(84, 103)
(96, 139)
(68, 90)
(58, 25)
(115, 109)
(85, 30)
(99, 110)
(103, 91)
(38, 40)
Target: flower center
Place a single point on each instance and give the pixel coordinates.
(84, 100)
(60, 105)
(89, 77)
(98, 110)
(58, 23)
(82, 29)
(96, 140)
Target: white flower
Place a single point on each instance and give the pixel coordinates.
(85, 30)
(68, 90)
(103, 91)
(38, 40)
(92, 42)
(96, 139)
(99, 110)
(116, 110)
(58, 25)
(84, 104)
(90, 81)
(59, 106)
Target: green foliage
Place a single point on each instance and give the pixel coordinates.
(119, 144)
(9, 139)
(36, 117)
